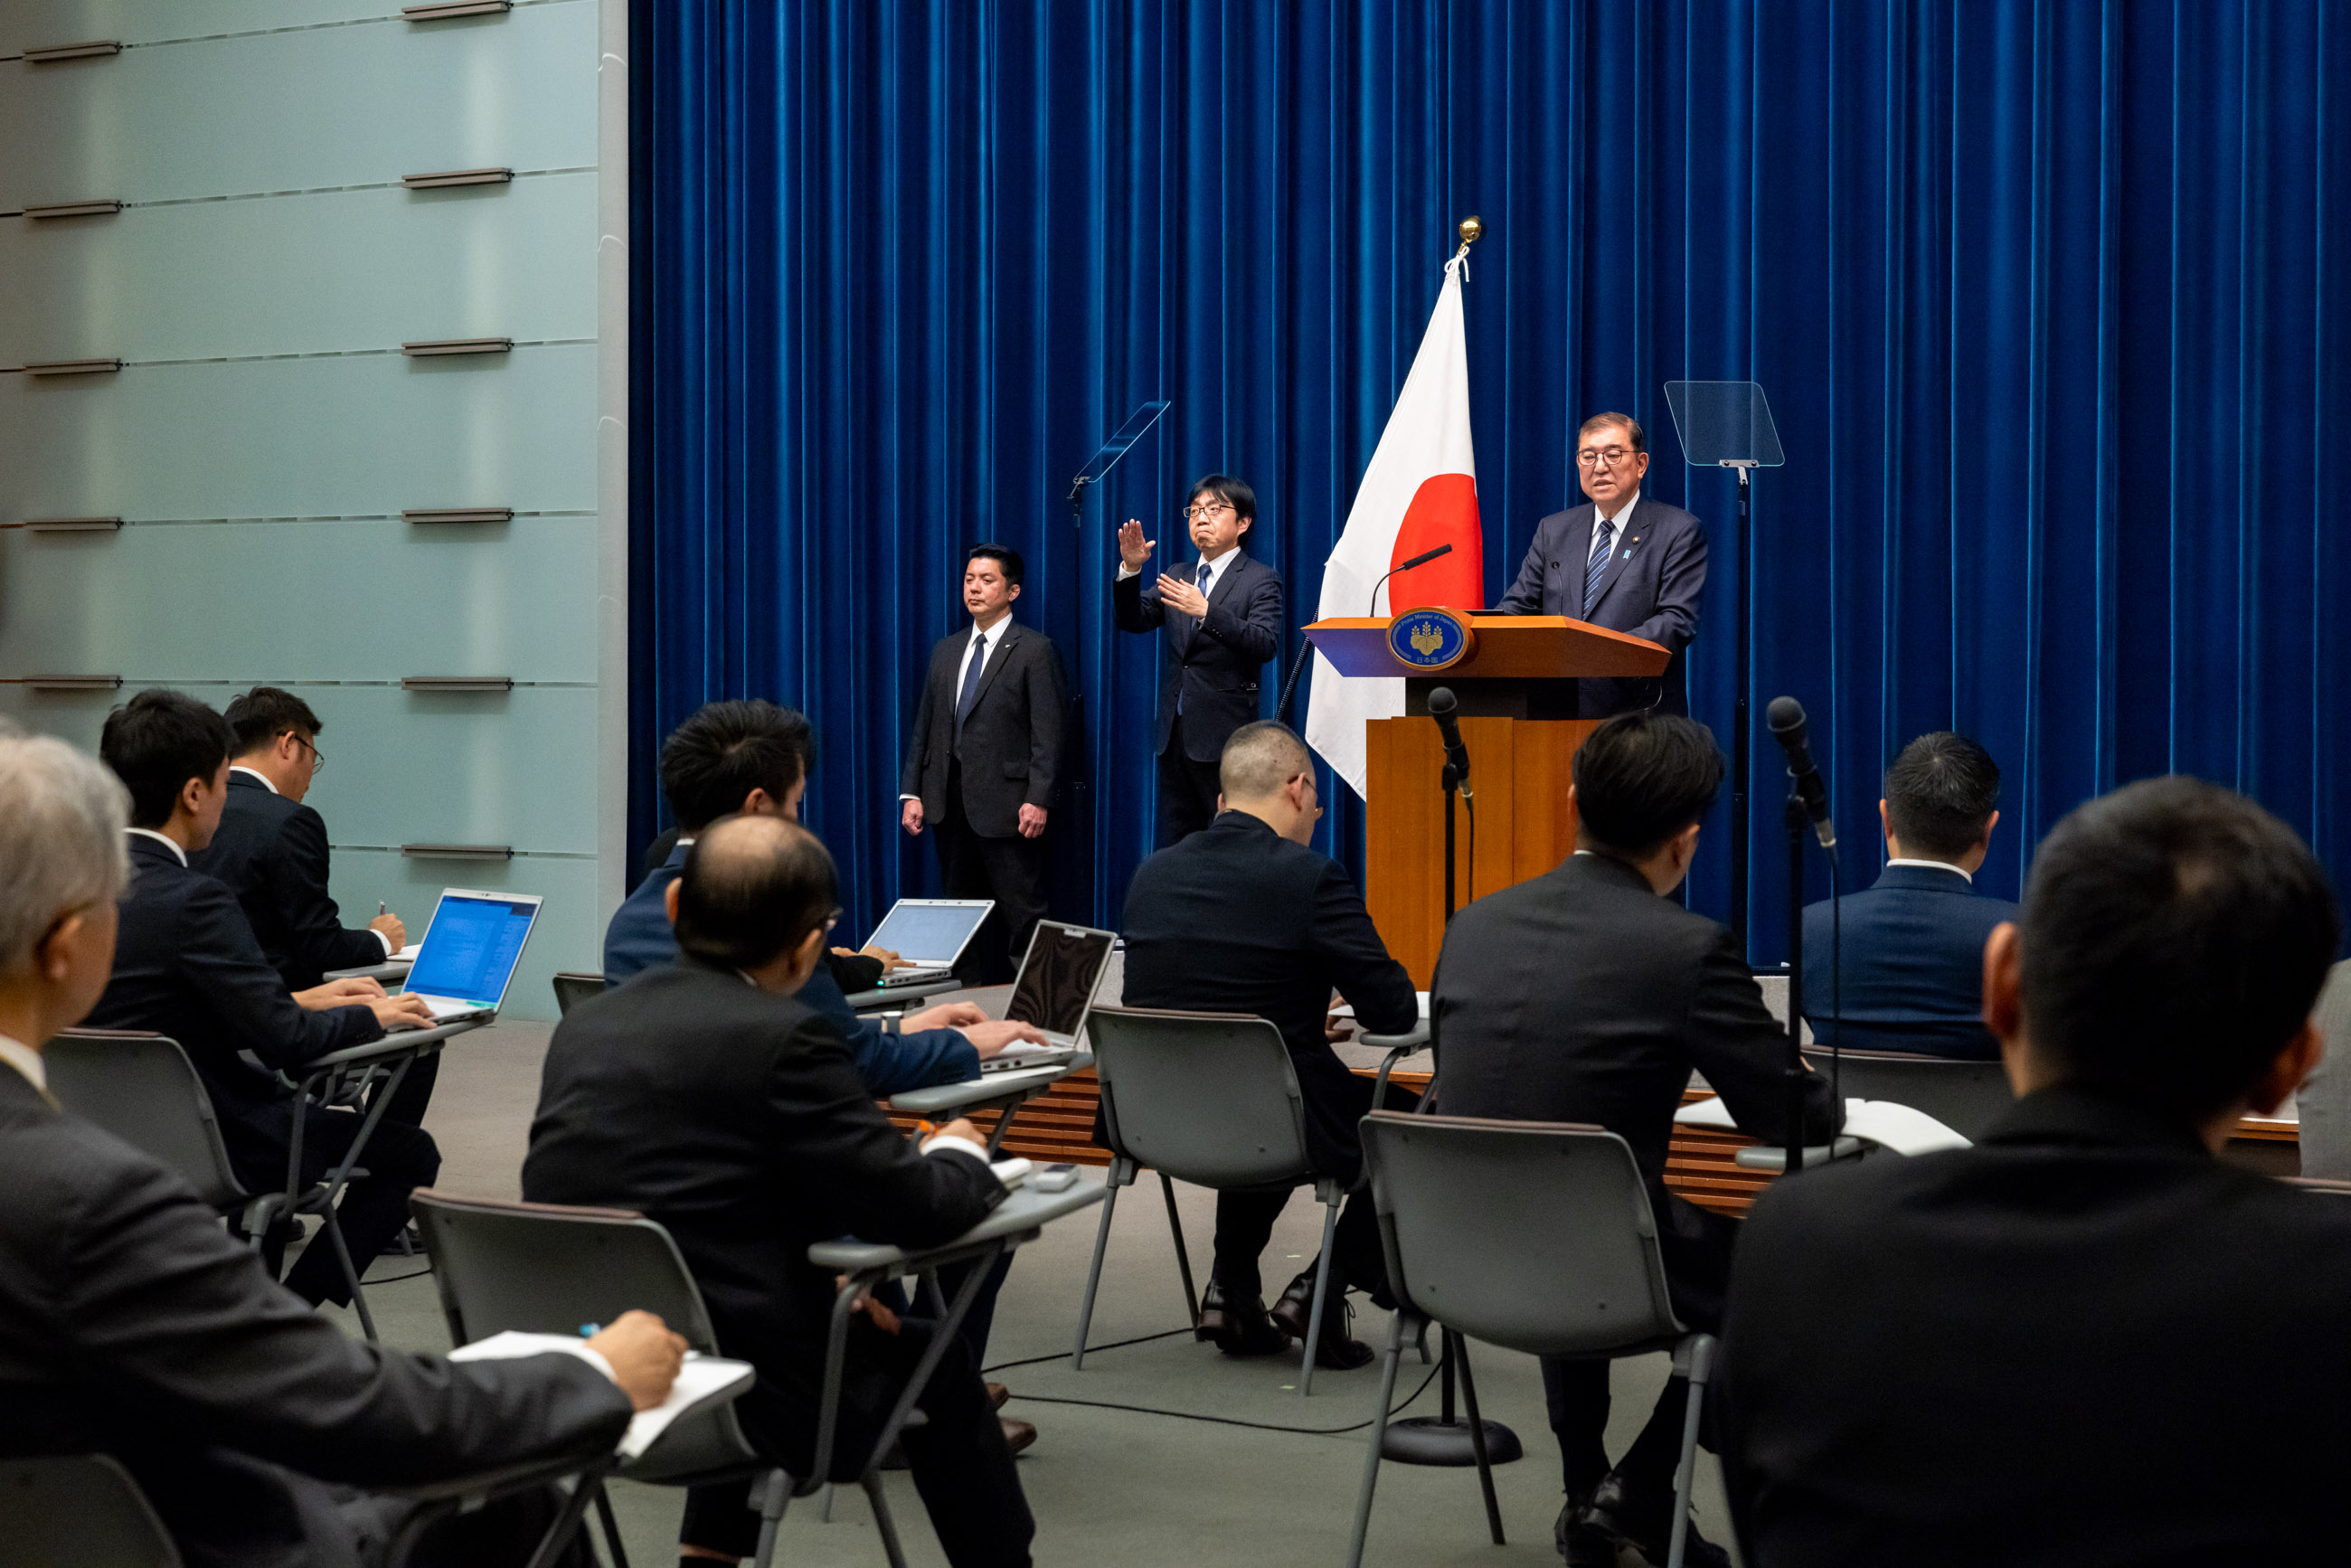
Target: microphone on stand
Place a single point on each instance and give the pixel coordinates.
(1786, 718)
(1446, 709)
(1423, 559)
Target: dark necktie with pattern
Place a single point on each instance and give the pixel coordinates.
(1603, 541)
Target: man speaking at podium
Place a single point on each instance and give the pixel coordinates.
(1618, 561)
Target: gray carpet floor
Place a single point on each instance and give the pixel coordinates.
(1130, 1487)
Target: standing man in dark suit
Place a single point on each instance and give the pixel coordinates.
(1221, 616)
(984, 758)
(703, 1096)
(2085, 1339)
(271, 849)
(1621, 562)
(1243, 917)
(133, 1325)
(1588, 994)
(1910, 976)
(186, 965)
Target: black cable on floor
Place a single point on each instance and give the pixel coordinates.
(1090, 1350)
(1231, 1421)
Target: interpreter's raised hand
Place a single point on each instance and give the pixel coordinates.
(1134, 549)
(1182, 597)
(912, 816)
(338, 994)
(947, 1015)
(644, 1354)
(1032, 822)
(393, 931)
(990, 1039)
(406, 1010)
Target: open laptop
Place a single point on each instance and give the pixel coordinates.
(1055, 991)
(469, 952)
(930, 934)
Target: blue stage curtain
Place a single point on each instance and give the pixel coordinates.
(2052, 301)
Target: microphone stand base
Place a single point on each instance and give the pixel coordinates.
(1432, 1440)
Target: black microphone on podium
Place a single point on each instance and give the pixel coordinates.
(1786, 718)
(1423, 559)
(1446, 709)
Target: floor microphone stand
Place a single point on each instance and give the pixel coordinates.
(1740, 741)
(1800, 826)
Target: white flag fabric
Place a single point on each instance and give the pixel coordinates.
(1420, 490)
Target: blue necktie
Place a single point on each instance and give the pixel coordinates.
(1603, 541)
(970, 682)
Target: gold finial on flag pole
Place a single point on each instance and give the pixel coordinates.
(1472, 227)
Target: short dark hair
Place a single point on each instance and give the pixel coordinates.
(752, 889)
(2174, 938)
(155, 743)
(1633, 431)
(259, 716)
(1940, 794)
(1004, 556)
(1224, 488)
(1644, 777)
(715, 759)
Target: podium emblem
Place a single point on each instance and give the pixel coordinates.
(1427, 640)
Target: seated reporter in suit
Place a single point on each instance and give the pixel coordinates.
(1220, 615)
(753, 758)
(984, 758)
(1911, 974)
(1589, 995)
(1243, 917)
(186, 965)
(2086, 1339)
(131, 1324)
(1620, 561)
(705, 1097)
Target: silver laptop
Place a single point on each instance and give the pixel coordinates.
(930, 934)
(469, 952)
(1055, 991)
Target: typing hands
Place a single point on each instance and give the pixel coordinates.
(947, 1015)
(644, 1354)
(990, 1039)
(338, 994)
(888, 959)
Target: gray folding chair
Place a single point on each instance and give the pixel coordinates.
(1535, 1236)
(1965, 1096)
(77, 1511)
(1211, 1099)
(572, 988)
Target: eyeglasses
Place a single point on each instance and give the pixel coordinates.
(317, 758)
(1208, 509)
(1614, 457)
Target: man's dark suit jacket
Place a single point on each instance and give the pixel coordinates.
(1582, 996)
(1238, 919)
(186, 965)
(132, 1324)
(1913, 965)
(640, 938)
(1011, 749)
(272, 853)
(2084, 1339)
(1210, 665)
(737, 1119)
(1651, 589)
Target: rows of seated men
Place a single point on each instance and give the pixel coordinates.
(2083, 1339)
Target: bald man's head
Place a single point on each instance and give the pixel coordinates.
(1259, 759)
(752, 890)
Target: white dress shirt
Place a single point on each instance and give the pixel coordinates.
(1610, 528)
(178, 853)
(27, 1061)
(1932, 865)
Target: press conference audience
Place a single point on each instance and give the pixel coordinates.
(133, 1325)
(1908, 969)
(1243, 917)
(1589, 995)
(2086, 1339)
(707, 1096)
(186, 965)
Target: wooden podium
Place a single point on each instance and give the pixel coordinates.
(1516, 686)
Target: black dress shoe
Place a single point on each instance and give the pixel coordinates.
(1216, 1320)
(1643, 1518)
(1241, 1327)
(1582, 1546)
(1295, 1305)
(1338, 1350)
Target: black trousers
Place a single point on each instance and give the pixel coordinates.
(1010, 870)
(1187, 789)
(967, 1477)
(400, 1157)
(1244, 1216)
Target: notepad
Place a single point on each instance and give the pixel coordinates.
(1011, 1172)
(702, 1381)
(1889, 1124)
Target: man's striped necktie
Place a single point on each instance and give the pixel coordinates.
(1603, 541)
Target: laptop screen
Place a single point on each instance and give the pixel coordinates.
(470, 949)
(1058, 978)
(929, 931)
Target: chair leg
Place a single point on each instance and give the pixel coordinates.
(350, 1274)
(881, 1519)
(1458, 1349)
(1322, 1291)
(1379, 1432)
(771, 1515)
(575, 1508)
(1093, 1277)
(619, 1554)
(1701, 1349)
(1182, 1255)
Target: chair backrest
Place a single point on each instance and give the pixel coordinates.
(1965, 1096)
(544, 1268)
(1210, 1098)
(1535, 1236)
(77, 1511)
(143, 1089)
(572, 987)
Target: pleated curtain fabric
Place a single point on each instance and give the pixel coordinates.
(2050, 300)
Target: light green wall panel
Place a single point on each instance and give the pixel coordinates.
(354, 269)
(32, 24)
(294, 111)
(314, 601)
(567, 935)
(325, 437)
